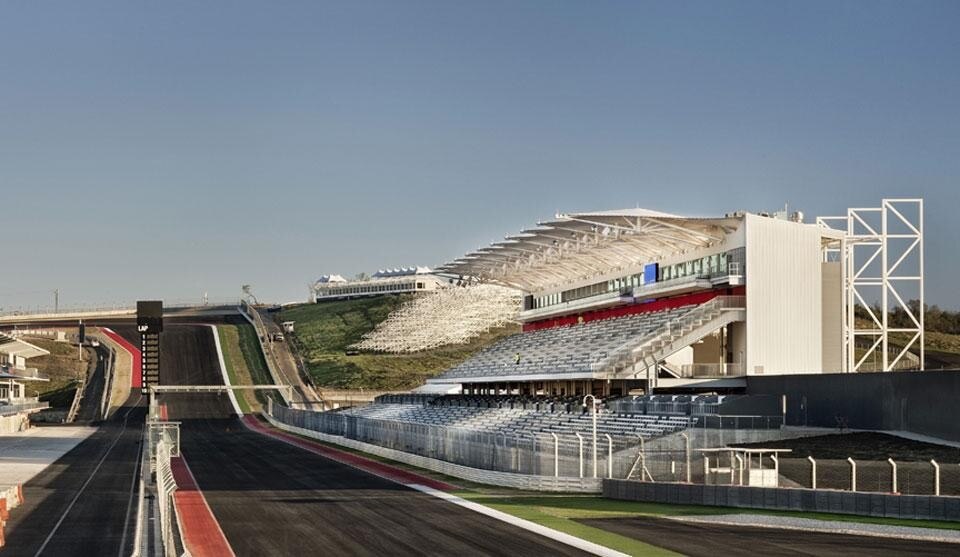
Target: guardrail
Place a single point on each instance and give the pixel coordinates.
(118, 307)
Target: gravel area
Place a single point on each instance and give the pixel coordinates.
(828, 526)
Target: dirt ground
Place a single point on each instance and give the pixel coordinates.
(863, 446)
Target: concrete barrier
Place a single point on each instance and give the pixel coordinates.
(787, 499)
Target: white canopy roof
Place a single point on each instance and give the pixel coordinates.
(16, 347)
(575, 246)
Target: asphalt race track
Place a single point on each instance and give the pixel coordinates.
(84, 503)
(710, 540)
(93, 391)
(275, 499)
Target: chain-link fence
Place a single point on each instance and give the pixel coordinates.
(541, 454)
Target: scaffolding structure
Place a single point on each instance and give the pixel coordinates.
(881, 256)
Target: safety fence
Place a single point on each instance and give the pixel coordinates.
(924, 507)
(503, 479)
(731, 467)
(537, 454)
(157, 486)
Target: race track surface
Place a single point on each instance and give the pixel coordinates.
(84, 504)
(275, 499)
(711, 540)
(89, 410)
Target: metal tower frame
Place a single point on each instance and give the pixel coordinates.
(870, 260)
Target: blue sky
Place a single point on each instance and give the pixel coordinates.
(168, 149)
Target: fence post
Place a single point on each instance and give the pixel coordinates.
(740, 466)
(609, 455)
(556, 455)
(936, 477)
(580, 440)
(853, 474)
(706, 470)
(893, 466)
(813, 472)
(686, 440)
(776, 469)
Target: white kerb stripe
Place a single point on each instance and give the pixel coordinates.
(561, 537)
(223, 370)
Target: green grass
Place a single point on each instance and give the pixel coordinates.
(245, 363)
(325, 331)
(63, 369)
(591, 506)
(561, 512)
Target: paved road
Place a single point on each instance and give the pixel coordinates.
(89, 410)
(281, 354)
(275, 499)
(710, 540)
(83, 504)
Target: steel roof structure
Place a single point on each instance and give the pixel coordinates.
(575, 246)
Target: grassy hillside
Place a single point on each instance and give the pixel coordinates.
(324, 331)
(244, 362)
(62, 368)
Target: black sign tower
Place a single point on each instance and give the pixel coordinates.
(150, 325)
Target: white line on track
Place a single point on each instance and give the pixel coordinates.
(550, 533)
(89, 479)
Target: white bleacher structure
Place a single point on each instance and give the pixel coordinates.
(450, 315)
(452, 412)
(573, 349)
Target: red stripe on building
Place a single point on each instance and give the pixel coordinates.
(398, 475)
(199, 529)
(662, 304)
(136, 374)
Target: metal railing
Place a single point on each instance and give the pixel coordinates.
(712, 370)
(162, 444)
(519, 452)
(674, 330)
(33, 404)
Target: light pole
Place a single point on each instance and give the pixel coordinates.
(594, 430)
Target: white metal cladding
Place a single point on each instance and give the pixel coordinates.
(572, 247)
(784, 289)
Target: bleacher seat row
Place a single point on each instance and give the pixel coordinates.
(442, 317)
(568, 349)
(520, 421)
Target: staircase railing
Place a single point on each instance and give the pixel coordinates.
(630, 353)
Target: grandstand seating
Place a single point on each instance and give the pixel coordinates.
(441, 317)
(515, 416)
(569, 349)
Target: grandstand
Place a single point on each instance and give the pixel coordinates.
(443, 316)
(634, 300)
(520, 416)
(403, 280)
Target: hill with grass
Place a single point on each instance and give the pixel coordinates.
(325, 331)
(62, 367)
